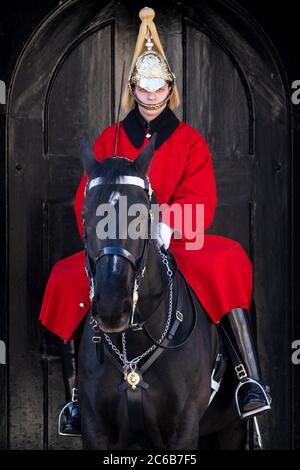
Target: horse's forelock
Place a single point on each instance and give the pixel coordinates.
(111, 169)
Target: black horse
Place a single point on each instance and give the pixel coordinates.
(148, 348)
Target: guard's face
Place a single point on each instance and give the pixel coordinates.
(152, 97)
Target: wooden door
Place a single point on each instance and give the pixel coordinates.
(67, 84)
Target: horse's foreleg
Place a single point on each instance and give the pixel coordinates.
(186, 435)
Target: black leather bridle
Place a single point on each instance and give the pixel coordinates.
(138, 266)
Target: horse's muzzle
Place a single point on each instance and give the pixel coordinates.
(119, 327)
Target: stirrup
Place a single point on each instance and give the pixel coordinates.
(257, 411)
(62, 417)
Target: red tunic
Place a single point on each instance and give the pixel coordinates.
(181, 172)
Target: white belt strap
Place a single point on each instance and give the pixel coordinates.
(214, 384)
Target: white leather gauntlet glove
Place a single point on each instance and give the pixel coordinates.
(164, 234)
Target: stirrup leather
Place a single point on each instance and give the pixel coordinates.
(258, 410)
(62, 417)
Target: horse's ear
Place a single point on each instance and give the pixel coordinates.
(143, 160)
(87, 157)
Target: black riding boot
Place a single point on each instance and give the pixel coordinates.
(252, 396)
(69, 419)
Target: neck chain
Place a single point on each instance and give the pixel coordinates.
(131, 365)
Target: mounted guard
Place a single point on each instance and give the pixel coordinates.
(181, 172)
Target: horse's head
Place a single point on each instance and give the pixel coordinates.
(116, 239)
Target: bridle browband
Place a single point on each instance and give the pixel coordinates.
(139, 267)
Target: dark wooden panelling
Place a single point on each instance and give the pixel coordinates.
(64, 175)
(215, 95)
(227, 217)
(26, 416)
(267, 98)
(62, 232)
(239, 170)
(3, 297)
(26, 184)
(38, 122)
(79, 100)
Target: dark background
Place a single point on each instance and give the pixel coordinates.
(18, 19)
(281, 23)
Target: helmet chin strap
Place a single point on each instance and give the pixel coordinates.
(152, 106)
